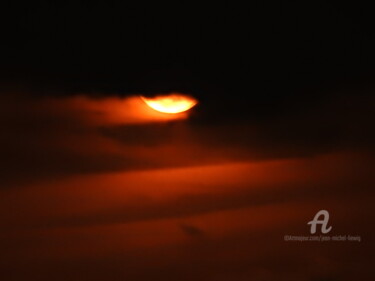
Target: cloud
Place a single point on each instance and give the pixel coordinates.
(89, 192)
(191, 230)
(54, 137)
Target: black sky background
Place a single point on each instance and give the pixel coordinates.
(260, 58)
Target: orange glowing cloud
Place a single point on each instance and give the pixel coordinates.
(172, 103)
(114, 110)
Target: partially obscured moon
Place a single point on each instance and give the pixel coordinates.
(171, 103)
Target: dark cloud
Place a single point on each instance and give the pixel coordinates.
(89, 194)
(191, 230)
(57, 136)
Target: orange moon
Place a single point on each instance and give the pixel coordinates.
(172, 103)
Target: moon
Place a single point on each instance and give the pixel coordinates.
(172, 103)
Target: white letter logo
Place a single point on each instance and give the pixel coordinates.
(323, 222)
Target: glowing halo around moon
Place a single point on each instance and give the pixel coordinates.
(171, 103)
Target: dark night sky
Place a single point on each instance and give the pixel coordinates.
(266, 52)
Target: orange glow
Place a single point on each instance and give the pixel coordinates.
(173, 103)
(107, 111)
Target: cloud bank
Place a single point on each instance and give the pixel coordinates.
(91, 190)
